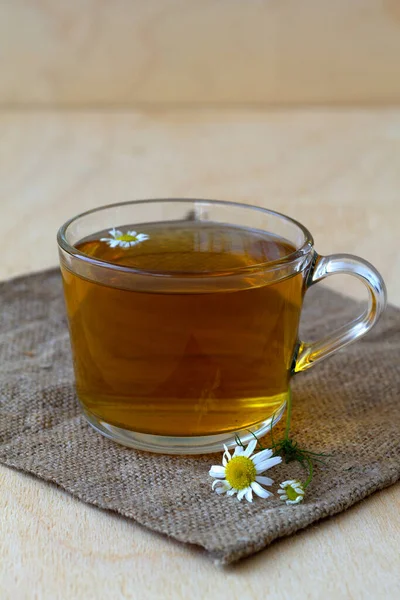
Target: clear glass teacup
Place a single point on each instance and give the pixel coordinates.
(184, 318)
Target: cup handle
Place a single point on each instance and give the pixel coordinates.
(310, 353)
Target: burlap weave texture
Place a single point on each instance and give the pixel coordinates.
(348, 407)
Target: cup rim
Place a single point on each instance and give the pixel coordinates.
(306, 247)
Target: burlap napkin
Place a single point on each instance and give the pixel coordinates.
(348, 406)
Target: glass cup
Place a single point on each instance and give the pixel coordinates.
(184, 317)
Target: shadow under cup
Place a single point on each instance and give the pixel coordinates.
(184, 318)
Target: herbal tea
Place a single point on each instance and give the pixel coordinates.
(184, 363)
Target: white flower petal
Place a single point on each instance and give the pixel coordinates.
(242, 493)
(251, 446)
(281, 492)
(284, 497)
(267, 464)
(288, 482)
(220, 486)
(264, 480)
(141, 237)
(298, 499)
(217, 471)
(226, 456)
(231, 492)
(238, 451)
(132, 233)
(249, 495)
(260, 456)
(260, 490)
(114, 243)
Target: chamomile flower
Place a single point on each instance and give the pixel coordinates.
(292, 491)
(241, 473)
(124, 240)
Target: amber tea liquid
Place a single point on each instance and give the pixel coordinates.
(183, 363)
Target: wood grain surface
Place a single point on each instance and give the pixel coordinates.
(125, 52)
(336, 171)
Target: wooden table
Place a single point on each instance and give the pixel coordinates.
(336, 171)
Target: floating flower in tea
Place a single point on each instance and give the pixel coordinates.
(124, 240)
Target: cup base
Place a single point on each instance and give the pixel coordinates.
(162, 444)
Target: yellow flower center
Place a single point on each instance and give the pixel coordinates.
(291, 493)
(240, 472)
(125, 237)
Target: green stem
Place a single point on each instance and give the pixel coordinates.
(272, 435)
(311, 471)
(288, 414)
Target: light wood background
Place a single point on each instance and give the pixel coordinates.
(125, 52)
(339, 173)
